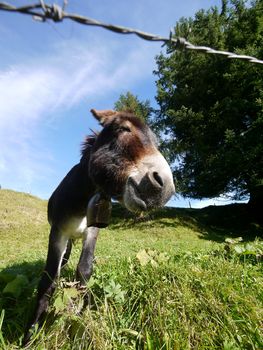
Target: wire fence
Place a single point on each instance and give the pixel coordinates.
(42, 12)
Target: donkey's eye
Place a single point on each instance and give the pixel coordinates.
(125, 128)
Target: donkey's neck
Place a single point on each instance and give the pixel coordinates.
(71, 197)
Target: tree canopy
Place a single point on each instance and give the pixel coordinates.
(131, 103)
(211, 109)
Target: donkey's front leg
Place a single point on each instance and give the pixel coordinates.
(56, 250)
(85, 265)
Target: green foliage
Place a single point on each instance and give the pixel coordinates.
(16, 286)
(176, 279)
(105, 285)
(193, 300)
(152, 257)
(249, 252)
(211, 107)
(64, 298)
(131, 103)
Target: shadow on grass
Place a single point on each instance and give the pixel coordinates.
(18, 289)
(213, 223)
(18, 283)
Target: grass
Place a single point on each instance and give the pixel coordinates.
(179, 279)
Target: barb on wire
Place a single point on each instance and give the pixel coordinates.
(42, 11)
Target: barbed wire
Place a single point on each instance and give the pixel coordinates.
(42, 12)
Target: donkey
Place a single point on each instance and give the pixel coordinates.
(121, 162)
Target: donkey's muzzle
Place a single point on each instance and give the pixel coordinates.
(99, 211)
(150, 186)
(152, 191)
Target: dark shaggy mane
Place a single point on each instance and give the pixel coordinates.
(88, 143)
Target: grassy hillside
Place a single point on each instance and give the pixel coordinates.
(176, 279)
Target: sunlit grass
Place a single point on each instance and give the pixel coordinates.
(169, 281)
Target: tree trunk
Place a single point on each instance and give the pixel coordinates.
(256, 203)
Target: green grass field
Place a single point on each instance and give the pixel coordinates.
(177, 279)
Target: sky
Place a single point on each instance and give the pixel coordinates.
(52, 74)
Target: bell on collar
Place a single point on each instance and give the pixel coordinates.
(99, 211)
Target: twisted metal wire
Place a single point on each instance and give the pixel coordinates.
(42, 11)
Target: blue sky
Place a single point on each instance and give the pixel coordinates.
(52, 74)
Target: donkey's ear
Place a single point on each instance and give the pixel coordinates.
(104, 116)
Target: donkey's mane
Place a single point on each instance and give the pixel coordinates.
(88, 142)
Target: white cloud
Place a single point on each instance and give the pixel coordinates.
(31, 93)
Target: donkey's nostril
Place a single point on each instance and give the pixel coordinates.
(158, 178)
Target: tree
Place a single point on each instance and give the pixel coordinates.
(211, 108)
(131, 103)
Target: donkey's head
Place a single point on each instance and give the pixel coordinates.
(126, 165)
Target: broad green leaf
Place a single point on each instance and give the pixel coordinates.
(91, 282)
(163, 257)
(6, 277)
(59, 304)
(16, 286)
(70, 293)
(239, 249)
(143, 257)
